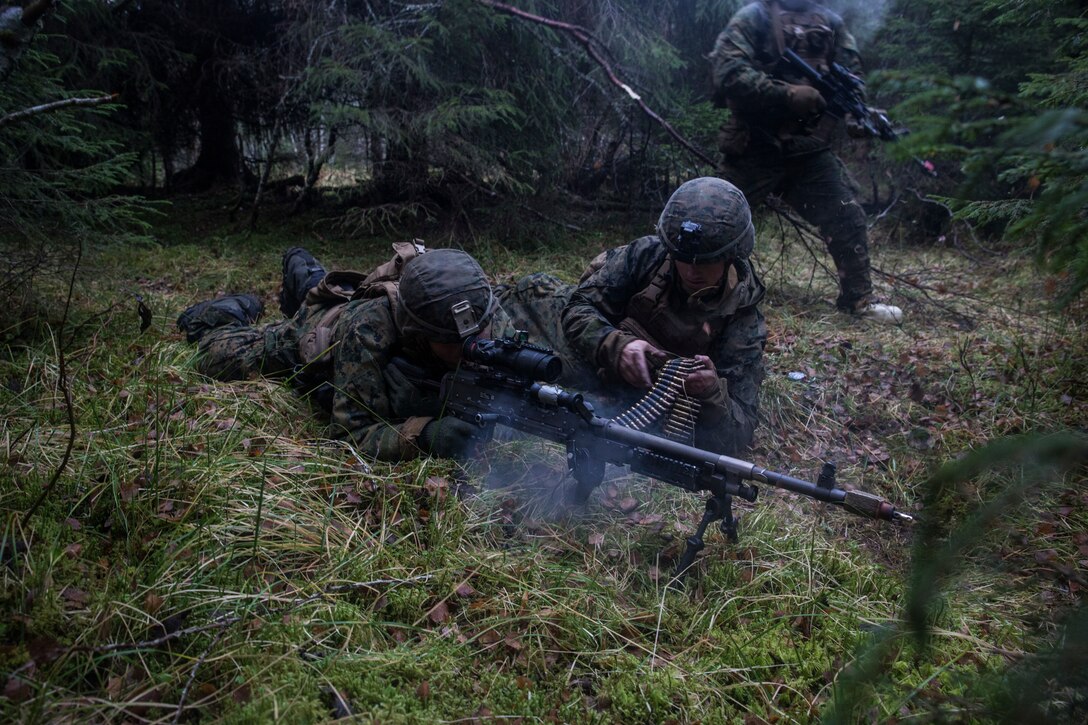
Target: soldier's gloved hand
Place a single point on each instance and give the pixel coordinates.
(404, 397)
(634, 366)
(703, 382)
(854, 129)
(451, 437)
(804, 100)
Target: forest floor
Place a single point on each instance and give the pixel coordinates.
(206, 555)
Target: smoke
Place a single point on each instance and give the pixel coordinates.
(863, 17)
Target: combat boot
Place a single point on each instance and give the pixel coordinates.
(205, 316)
(301, 272)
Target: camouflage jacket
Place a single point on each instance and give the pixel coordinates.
(374, 405)
(603, 316)
(746, 61)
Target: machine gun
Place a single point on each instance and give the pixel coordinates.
(511, 382)
(844, 93)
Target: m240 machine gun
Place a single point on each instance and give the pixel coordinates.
(510, 382)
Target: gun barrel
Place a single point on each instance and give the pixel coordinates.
(858, 502)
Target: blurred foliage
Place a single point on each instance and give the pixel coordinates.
(1051, 683)
(998, 89)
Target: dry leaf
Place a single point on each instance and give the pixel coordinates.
(465, 590)
(16, 690)
(439, 613)
(75, 595)
(596, 539)
(152, 603)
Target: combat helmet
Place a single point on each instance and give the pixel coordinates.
(444, 296)
(706, 220)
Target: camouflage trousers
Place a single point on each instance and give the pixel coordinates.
(535, 304)
(817, 187)
(240, 352)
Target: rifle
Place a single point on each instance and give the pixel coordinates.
(511, 381)
(844, 93)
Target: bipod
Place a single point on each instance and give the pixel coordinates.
(718, 508)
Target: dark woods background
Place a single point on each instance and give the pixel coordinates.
(417, 114)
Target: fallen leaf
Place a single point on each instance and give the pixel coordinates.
(16, 690)
(75, 595)
(44, 650)
(596, 539)
(439, 613)
(423, 692)
(628, 504)
(436, 486)
(73, 550)
(465, 590)
(152, 603)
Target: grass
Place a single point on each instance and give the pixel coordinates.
(206, 555)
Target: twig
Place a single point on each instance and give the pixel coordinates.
(62, 371)
(586, 40)
(55, 105)
(192, 674)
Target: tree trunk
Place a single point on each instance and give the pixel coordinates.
(219, 160)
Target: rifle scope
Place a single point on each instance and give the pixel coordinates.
(516, 356)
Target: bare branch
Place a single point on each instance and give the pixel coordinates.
(590, 43)
(55, 105)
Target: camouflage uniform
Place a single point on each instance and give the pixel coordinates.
(635, 294)
(372, 403)
(766, 149)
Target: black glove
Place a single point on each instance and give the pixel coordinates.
(451, 437)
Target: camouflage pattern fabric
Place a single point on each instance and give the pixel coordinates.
(235, 351)
(373, 404)
(746, 63)
(535, 304)
(596, 324)
(766, 151)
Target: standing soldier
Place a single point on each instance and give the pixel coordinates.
(777, 138)
(688, 291)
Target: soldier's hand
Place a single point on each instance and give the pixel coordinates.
(854, 129)
(804, 100)
(703, 382)
(634, 364)
(451, 437)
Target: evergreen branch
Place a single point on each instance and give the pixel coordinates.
(590, 43)
(55, 105)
